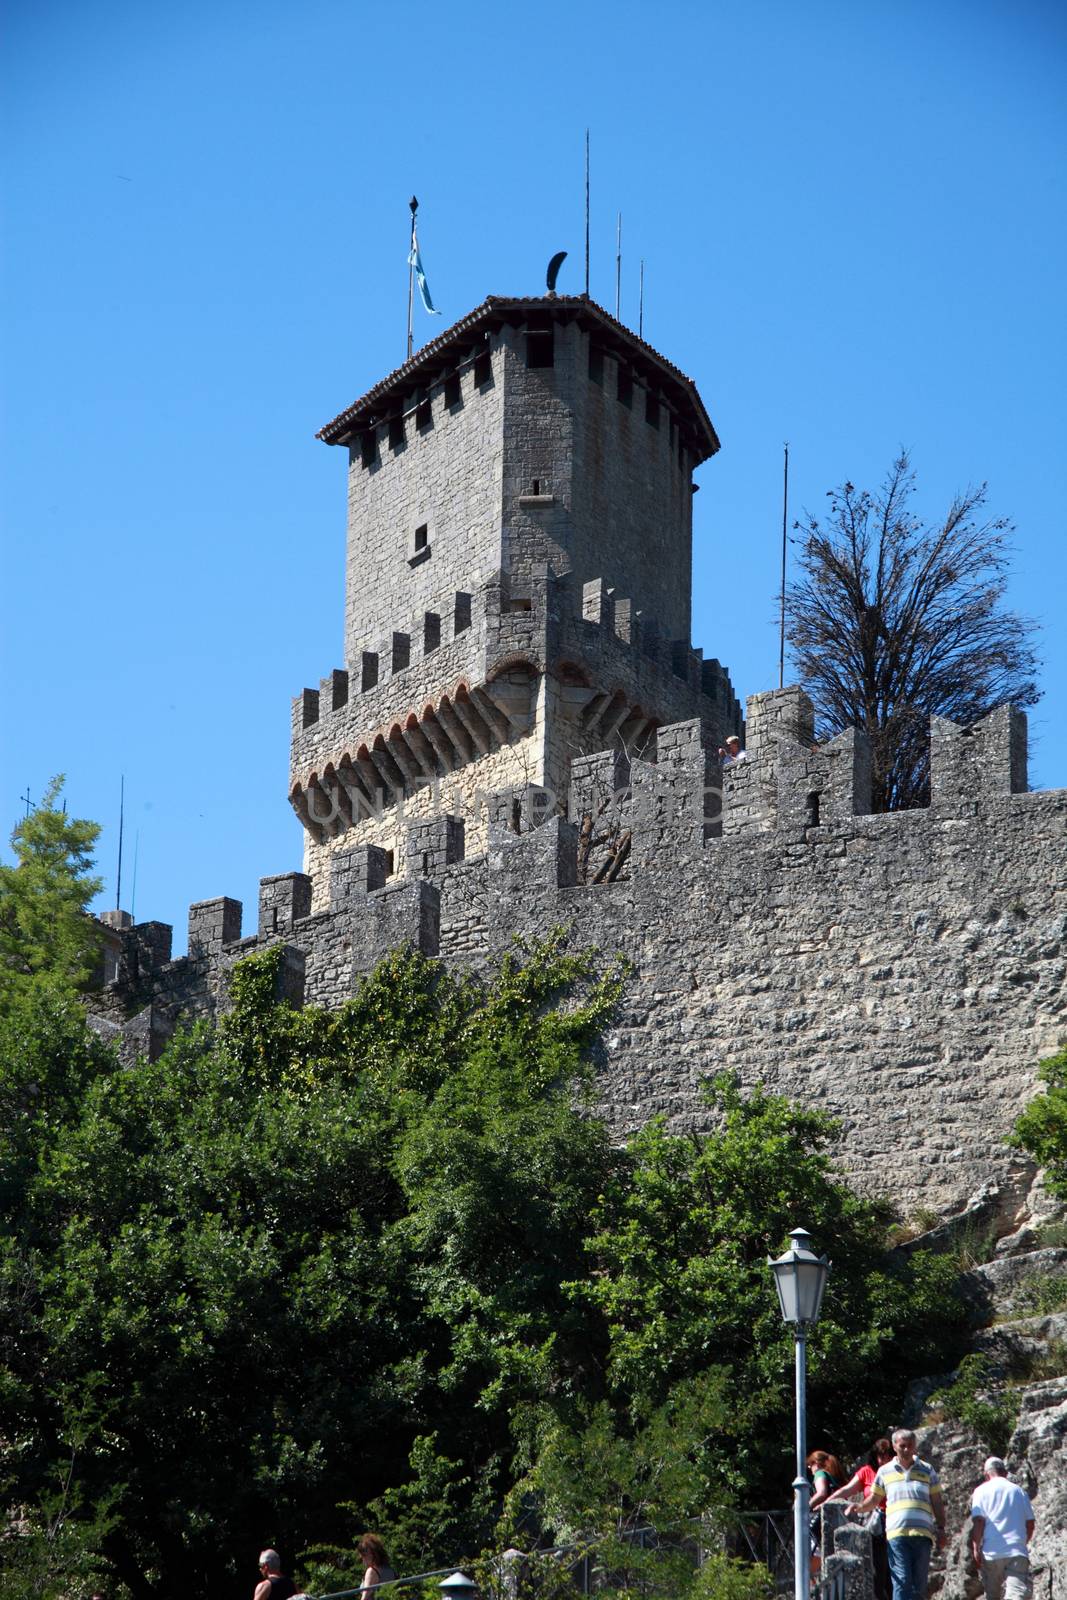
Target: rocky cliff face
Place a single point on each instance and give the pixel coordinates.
(1016, 1402)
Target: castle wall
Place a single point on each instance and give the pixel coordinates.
(445, 474)
(903, 972)
(632, 496)
(591, 485)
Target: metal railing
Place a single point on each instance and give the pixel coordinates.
(762, 1537)
(830, 1585)
(372, 1588)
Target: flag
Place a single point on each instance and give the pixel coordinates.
(415, 260)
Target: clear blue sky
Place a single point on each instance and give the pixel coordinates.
(852, 218)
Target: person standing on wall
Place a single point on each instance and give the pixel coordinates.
(1001, 1529)
(910, 1491)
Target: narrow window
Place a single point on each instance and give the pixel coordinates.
(369, 672)
(535, 486)
(626, 386)
(516, 816)
(651, 409)
(463, 613)
(274, 919)
(813, 810)
(483, 369)
(368, 446)
(388, 863)
(423, 411)
(540, 348)
(596, 363)
(401, 651)
(422, 537)
(396, 431)
(425, 862)
(452, 394)
(431, 632)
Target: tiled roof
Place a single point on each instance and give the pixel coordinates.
(497, 308)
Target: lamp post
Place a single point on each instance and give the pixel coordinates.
(800, 1278)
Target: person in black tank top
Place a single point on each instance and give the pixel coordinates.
(273, 1584)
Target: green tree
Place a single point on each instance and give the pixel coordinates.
(46, 936)
(678, 1270)
(604, 1482)
(323, 1270)
(893, 620)
(1041, 1130)
(296, 1245)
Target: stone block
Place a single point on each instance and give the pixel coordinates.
(356, 873)
(432, 844)
(283, 900)
(213, 924)
(404, 915)
(971, 766)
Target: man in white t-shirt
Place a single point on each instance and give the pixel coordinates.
(1002, 1527)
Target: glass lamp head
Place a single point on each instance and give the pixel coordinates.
(800, 1278)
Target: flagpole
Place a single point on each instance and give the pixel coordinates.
(641, 304)
(414, 204)
(618, 266)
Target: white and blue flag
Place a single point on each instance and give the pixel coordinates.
(415, 260)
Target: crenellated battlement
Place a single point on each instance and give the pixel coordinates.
(477, 690)
(911, 964)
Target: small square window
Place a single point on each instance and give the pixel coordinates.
(540, 349)
(431, 632)
(419, 545)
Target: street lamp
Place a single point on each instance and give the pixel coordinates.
(457, 1587)
(800, 1278)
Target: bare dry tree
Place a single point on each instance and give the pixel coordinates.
(893, 621)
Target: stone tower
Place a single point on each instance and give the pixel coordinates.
(519, 567)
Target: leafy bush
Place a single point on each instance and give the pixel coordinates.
(1041, 1129)
(1040, 1297)
(970, 1400)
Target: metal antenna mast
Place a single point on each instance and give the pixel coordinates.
(118, 875)
(785, 521)
(587, 213)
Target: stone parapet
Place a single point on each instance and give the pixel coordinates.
(904, 971)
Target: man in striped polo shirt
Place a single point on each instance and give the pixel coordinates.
(910, 1491)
